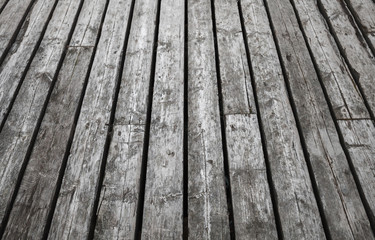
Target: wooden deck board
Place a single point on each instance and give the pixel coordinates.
(187, 119)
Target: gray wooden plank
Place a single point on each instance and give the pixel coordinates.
(10, 21)
(3, 3)
(353, 46)
(75, 202)
(207, 203)
(39, 182)
(20, 125)
(119, 195)
(296, 203)
(19, 57)
(359, 137)
(344, 96)
(252, 205)
(162, 216)
(343, 209)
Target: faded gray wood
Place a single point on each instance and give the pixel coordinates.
(39, 181)
(344, 212)
(359, 137)
(19, 56)
(20, 125)
(10, 19)
(162, 216)
(2, 3)
(119, 195)
(296, 203)
(342, 91)
(207, 203)
(239, 108)
(74, 208)
(354, 47)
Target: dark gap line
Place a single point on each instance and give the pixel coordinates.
(146, 143)
(365, 203)
(107, 144)
(299, 128)
(15, 34)
(357, 24)
(39, 123)
(35, 50)
(271, 183)
(352, 71)
(72, 131)
(228, 189)
(4, 5)
(185, 201)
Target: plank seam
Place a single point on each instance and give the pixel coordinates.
(228, 190)
(271, 184)
(4, 5)
(299, 129)
(143, 174)
(39, 122)
(352, 71)
(365, 203)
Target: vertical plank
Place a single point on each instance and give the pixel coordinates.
(352, 45)
(75, 203)
(119, 195)
(296, 203)
(341, 203)
(39, 182)
(11, 21)
(207, 203)
(162, 216)
(19, 128)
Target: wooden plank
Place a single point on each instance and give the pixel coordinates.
(20, 125)
(162, 216)
(207, 203)
(343, 209)
(119, 195)
(343, 94)
(3, 4)
(353, 45)
(39, 182)
(359, 137)
(296, 203)
(16, 62)
(253, 210)
(75, 203)
(11, 20)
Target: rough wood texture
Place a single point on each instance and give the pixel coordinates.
(39, 181)
(10, 21)
(119, 195)
(206, 184)
(19, 57)
(345, 214)
(162, 216)
(74, 208)
(296, 203)
(359, 137)
(18, 130)
(342, 91)
(353, 45)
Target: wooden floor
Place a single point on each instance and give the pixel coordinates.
(187, 119)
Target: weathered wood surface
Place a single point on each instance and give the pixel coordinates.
(74, 209)
(343, 209)
(119, 196)
(207, 201)
(39, 182)
(353, 45)
(162, 216)
(359, 137)
(15, 64)
(19, 128)
(347, 102)
(11, 20)
(296, 203)
(3, 4)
